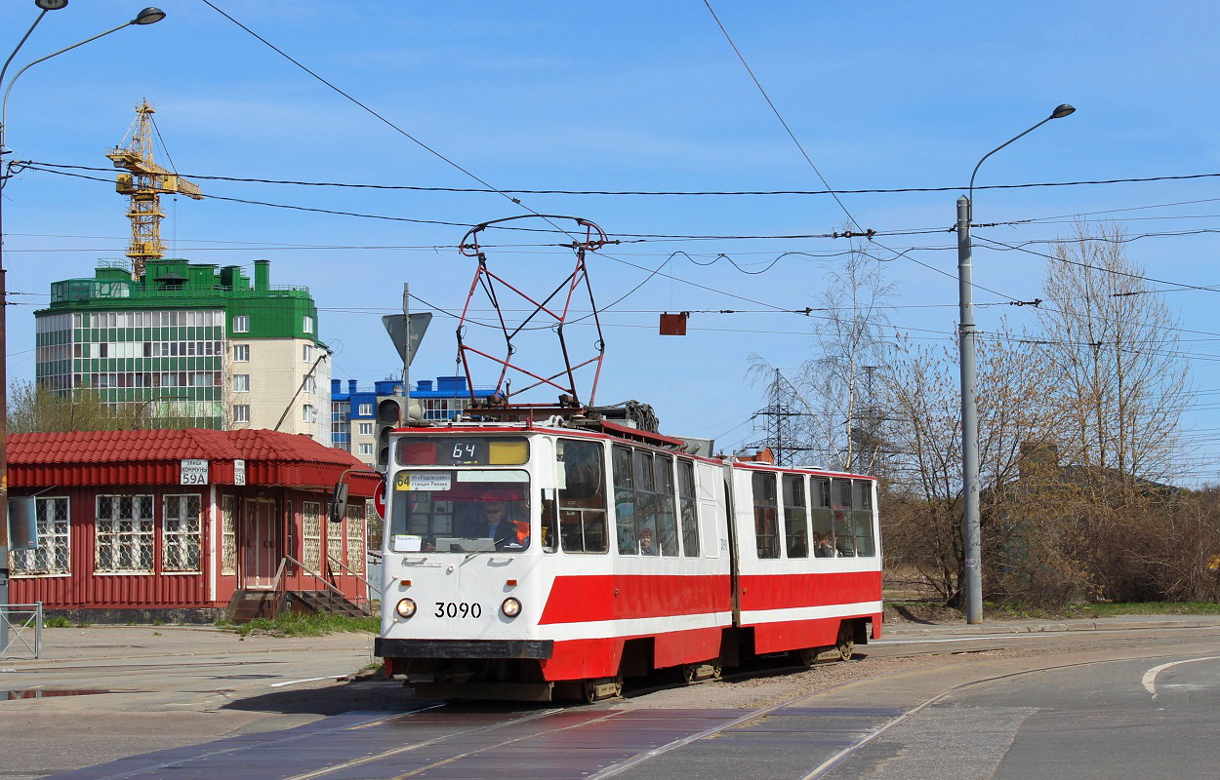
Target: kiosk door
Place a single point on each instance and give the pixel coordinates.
(261, 544)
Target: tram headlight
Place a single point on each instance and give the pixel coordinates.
(405, 608)
(511, 607)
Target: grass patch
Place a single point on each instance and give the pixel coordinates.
(1149, 608)
(900, 610)
(59, 621)
(307, 625)
(1100, 610)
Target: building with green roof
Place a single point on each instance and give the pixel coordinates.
(190, 342)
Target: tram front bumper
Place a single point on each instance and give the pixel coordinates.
(462, 648)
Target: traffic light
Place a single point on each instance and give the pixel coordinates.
(391, 411)
(338, 501)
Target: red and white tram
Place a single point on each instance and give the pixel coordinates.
(541, 562)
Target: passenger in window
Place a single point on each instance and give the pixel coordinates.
(823, 547)
(647, 546)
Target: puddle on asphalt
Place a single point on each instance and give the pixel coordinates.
(42, 694)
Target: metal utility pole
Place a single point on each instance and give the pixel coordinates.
(406, 353)
(971, 544)
(147, 16)
(970, 423)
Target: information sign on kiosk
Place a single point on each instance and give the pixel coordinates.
(194, 472)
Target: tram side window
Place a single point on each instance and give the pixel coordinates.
(426, 516)
(845, 538)
(667, 522)
(766, 534)
(688, 508)
(823, 519)
(550, 521)
(582, 496)
(796, 525)
(646, 503)
(624, 500)
(862, 517)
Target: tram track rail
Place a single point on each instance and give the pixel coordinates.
(603, 713)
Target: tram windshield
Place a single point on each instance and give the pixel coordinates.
(460, 511)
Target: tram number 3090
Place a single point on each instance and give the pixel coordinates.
(456, 609)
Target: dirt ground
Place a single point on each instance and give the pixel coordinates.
(925, 612)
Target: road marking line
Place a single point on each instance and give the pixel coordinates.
(307, 679)
(1149, 680)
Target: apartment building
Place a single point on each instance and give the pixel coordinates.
(190, 345)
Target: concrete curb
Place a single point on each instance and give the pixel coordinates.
(1134, 623)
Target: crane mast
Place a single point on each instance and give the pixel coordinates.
(144, 183)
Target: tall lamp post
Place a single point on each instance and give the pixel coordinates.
(970, 422)
(145, 17)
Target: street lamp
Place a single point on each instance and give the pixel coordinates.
(972, 548)
(145, 17)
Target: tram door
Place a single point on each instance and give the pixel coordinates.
(261, 544)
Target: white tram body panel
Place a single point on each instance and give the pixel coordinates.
(622, 556)
(808, 560)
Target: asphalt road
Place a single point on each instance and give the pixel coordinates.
(1114, 705)
(102, 693)
(1013, 700)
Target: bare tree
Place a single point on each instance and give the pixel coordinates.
(827, 406)
(923, 428)
(851, 340)
(35, 409)
(921, 506)
(1113, 344)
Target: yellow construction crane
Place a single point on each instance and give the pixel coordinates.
(145, 183)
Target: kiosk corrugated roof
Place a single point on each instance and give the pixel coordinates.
(118, 446)
(154, 458)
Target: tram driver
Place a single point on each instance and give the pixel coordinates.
(505, 531)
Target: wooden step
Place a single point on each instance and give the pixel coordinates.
(246, 605)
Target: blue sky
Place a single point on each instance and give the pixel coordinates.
(633, 96)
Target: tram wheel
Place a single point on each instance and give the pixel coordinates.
(846, 644)
(688, 673)
(808, 656)
(604, 688)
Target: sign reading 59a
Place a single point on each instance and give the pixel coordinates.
(194, 472)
